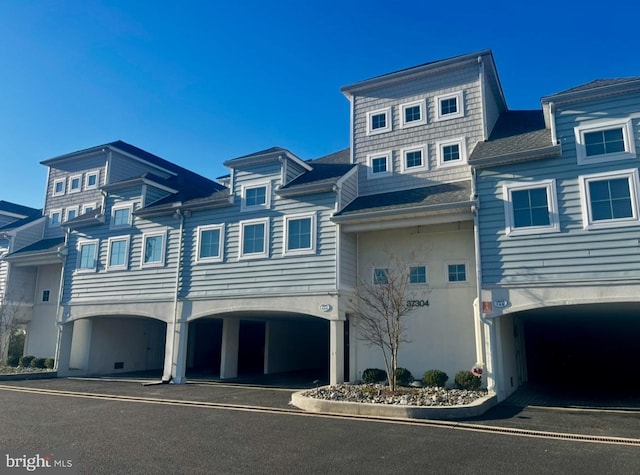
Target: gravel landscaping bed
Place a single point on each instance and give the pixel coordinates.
(21, 370)
(380, 394)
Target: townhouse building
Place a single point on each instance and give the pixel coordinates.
(559, 237)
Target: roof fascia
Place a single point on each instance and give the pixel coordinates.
(265, 158)
(401, 212)
(136, 181)
(306, 189)
(595, 93)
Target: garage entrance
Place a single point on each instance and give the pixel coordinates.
(586, 349)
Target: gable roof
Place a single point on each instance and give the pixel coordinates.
(341, 156)
(21, 222)
(516, 136)
(596, 88)
(14, 208)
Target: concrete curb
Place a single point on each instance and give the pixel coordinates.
(476, 408)
(26, 376)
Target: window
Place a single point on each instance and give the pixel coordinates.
(299, 234)
(379, 165)
(451, 152)
(72, 213)
(87, 208)
(121, 216)
(87, 255)
(210, 239)
(449, 106)
(531, 208)
(254, 236)
(256, 197)
(379, 121)
(610, 199)
(605, 141)
(413, 114)
(457, 272)
(414, 158)
(418, 275)
(46, 294)
(91, 180)
(153, 249)
(118, 252)
(380, 276)
(55, 217)
(58, 187)
(75, 183)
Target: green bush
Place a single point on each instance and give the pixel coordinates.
(403, 377)
(468, 380)
(49, 363)
(37, 363)
(435, 378)
(13, 360)
(16, 344)
(374, 375)
(25, 361)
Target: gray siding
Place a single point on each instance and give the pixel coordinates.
(293, 171)
(153, 194)
(493, 101)
(4, 247)
(470, 126)
(29, 235)
(348, 189)
(574, 254)
(122, 167)
(348, 260)
(22, 284)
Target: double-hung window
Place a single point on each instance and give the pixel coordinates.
(414, 158)
(87, 255)
(530, 208)
(610, 199)
(451, 152)
(605, 141)
(153, 249)
(379, 165)
(118, 254)
(210, 243)
(299, 234)
(379, 121)
(256, 196)
(413, 113)
(449, 106)
(254, 238)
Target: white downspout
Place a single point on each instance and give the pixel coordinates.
(168, 375)
(485, 128)
(64, 255)
(552, 123)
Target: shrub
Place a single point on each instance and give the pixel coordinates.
(435, 378)
(374, 375)
(37, 363)
(467, 380)
(403, 377)
(49, 363)
(25, 361)
(13, 360)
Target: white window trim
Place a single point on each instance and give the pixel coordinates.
(79, 246)
(585, 199)
(456, 282)
(64, 187)
(373, 275)
(145, 236)
(118, 207)
(295, 252)
(220, 255)
(426, 274)
(460, 100)
(425, 161)
(249, 186)
(74, 177)
(51, 213)
(255, 255)
(71, 208)
(552, 203)
(389, 157)
(462, 142)
(125, 266)
(86, 180)
(387, 112)
(627, 134)
(86, 205)
(423, 114)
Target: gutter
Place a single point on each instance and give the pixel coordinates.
(399, 212)
(551, 151)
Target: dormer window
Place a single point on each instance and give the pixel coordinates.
(379, 121)
(256, 196)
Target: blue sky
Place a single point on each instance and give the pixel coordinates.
(200, 82)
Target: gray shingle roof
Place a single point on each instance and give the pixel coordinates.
(342, 156)
(322, 172)
(21, 222)
(14, 208)
(597, 83)
(50, 244)
(446, 193)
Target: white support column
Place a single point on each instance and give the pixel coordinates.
(175, 355)
(63, 353)
(81, 344)
(230, 347)
(336, 352)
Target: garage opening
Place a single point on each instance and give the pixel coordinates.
(590, 350)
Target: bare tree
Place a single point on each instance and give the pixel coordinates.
(8, 325)
(379, 311)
